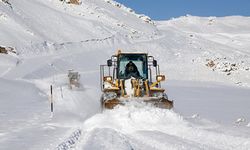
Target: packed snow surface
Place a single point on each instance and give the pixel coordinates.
(206, 59)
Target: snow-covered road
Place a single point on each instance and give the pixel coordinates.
(206, 60)
(145, 127)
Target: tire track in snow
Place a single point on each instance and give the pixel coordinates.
(71, 141)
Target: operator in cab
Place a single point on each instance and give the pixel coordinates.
(131, 70)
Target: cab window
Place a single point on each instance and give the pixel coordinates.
(132, 65)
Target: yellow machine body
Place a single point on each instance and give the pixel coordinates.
(129, 77)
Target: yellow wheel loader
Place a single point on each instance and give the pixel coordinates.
(129, 77)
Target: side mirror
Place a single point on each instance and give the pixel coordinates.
(154, 63)
(109, 62)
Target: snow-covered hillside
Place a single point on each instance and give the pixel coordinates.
(206, 59)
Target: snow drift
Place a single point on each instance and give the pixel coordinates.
(206, 59)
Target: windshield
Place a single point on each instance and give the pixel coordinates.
(132, 65)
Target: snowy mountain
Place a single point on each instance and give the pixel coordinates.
(206, 59)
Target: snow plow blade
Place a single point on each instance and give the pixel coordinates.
(160, 103)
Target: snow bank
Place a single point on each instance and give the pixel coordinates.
(145, 127)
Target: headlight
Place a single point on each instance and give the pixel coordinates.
(107, 79)
(160, 78)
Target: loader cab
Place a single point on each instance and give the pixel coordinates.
(132, 65)
(123, 66)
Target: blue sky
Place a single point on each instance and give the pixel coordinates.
(166, 9)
